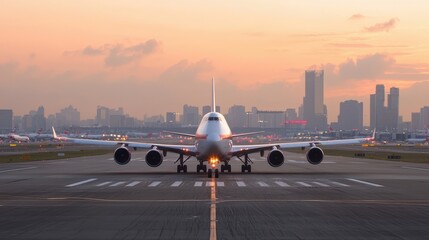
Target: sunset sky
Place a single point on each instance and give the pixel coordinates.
(150, 57)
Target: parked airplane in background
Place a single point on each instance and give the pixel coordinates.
(15, 137)
(417, 140)
(214, 146)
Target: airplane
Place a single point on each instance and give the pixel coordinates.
(417, 140)
(15, 137)
(214, 146)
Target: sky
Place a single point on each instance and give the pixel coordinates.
(151, 57)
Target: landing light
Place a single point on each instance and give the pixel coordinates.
(213, 161)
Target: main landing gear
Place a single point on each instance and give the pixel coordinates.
(201, 167)
(182, 167)
(211, 171)
(225, 167)
(246, 167)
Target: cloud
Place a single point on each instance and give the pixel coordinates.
(351, 45)
(382, 27)
(356, 17)
(116, 55)
(366, 67)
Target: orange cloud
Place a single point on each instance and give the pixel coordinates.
(382, 27)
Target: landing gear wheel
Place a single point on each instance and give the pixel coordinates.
(179, 168)
(222, 168)
(229, 168)
(205, 168)
(249, 168)
(209, 173)
(243, 168)
(198, 168)
(185, 168)
(216, 173)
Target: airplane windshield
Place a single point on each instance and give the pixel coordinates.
(213, 119)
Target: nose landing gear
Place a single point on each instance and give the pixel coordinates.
(211, 171)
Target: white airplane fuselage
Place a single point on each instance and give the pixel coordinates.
(213, 139)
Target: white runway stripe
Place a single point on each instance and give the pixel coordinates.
(209, 184)
(321, 184)
(81, 182)
(340, 184)
(132, 184)
(363, 182)
(198, 184)
(262, 184)
(282, 184)
(17, 169)
(176, 184)
(241, 184)
(117, 184)
(220, 184)
(103, 184)
(304, 184)
(154, 184)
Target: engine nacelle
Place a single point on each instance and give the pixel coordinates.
(154, 158)
(275, 158)
(122, 156)
(315, 155)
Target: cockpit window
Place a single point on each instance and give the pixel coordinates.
(213, 119)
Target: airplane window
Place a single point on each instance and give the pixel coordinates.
(213, 119)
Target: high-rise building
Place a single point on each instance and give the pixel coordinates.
(103, 116)
(68, 116)
(6, 120)
(351, 115)
(382, 117)
(206, 109)
(314, 109)
(190, 115)
(424, 117)
(415, 121)
(271, 119)
(237, 116)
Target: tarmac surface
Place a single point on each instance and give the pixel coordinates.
(94, 198)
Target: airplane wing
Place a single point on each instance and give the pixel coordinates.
(246, 134)
(239, 150)
(180, 134)
(188, 150)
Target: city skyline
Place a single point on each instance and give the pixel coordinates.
(95, 54)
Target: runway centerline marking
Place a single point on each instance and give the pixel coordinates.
(198, 184)
(176, 183)
(415, 168)
(210, 184)
(363, 182)
(81, 182)
(17, 169)
(154, 184)
(133, 184)
(213, 235)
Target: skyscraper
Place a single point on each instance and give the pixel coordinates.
(382, 117)
(351, 115)
(190, 115)
(393, 108)
(314, 109)
(6, 122)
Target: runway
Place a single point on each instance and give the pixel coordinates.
(93, 198)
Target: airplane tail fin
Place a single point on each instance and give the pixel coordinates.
(213, 96)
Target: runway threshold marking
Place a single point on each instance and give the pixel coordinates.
(176, 183)
(340, 184)
(198, 184)
(154, 184)
(282, 184)
(210, 184)
(321, 184)
(414, 168)
(132, 184)
(17, 169)
(213, 234)
(262, 184)
(81, 182)
(117, 184)
(364, 182)
(220, 184)
(304, 184)
(103, 184)
(241, 184)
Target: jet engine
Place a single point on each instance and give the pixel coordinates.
(122, 156)
(315, 155)
(154, 158)
(275, 158)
